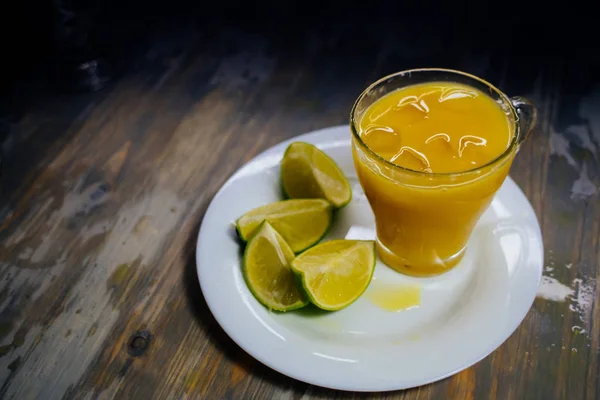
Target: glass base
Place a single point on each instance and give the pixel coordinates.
(404, 267)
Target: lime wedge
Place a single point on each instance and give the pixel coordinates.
(267, 271)
(336, 273)
(308, 173)
(301, 222)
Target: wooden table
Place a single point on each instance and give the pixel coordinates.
(103, 194)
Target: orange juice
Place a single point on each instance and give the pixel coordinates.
(430, 158)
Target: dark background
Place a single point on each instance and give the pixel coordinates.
(45, 42)
(37, 35)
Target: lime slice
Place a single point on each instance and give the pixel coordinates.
(302, 222)
(336, 273)
(267, 271)
(308, 173)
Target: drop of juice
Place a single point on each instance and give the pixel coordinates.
(394, 297)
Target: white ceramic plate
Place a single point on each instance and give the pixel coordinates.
(464, 314)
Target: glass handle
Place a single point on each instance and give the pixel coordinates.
(527, 116)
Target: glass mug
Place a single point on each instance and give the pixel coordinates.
(424, 219)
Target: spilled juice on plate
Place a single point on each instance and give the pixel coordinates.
(394, 297)
(436, 130)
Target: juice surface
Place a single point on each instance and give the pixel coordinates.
(425, 220)
(436, 127)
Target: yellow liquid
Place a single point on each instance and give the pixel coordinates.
(424, 220)
(394, 297)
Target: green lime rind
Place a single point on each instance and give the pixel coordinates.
(301, 222)
(320, 252)
(254, 273)
(299, 180)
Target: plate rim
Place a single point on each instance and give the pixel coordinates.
(278, 150)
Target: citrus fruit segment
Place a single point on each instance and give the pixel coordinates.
(301, 222)
(267, 271)
(336, 273)
(307, 172)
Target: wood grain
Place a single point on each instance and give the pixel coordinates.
(103, 194)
